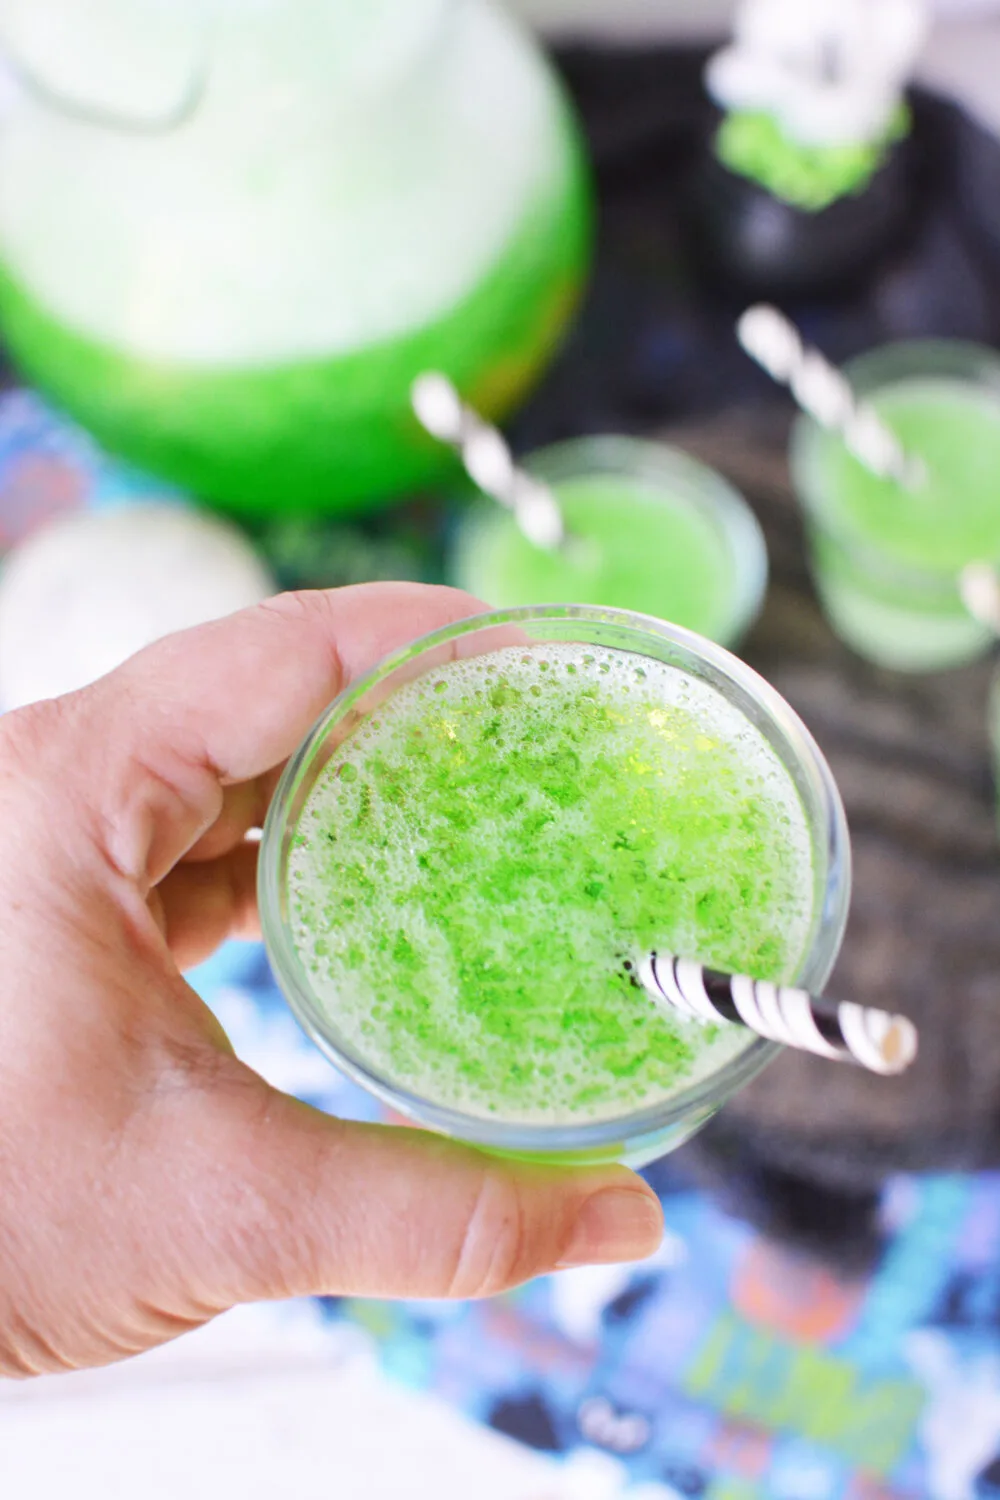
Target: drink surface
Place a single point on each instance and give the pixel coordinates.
(633, 546)
(953, 517)
(478, 859)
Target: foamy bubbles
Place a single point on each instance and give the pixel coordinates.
(477, 861)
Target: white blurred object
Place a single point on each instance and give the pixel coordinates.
(86, 592)
(590, 1474)
(580, 1296)
(266, 1402)
(832, 72)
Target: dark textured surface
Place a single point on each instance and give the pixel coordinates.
(911, 757)
(655, 352)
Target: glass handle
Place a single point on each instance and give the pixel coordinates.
(134, 66)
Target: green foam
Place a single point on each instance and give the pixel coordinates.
(954, 517)
(476, 862)
(809, 177)
(633, 546)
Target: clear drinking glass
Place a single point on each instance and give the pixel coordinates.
(895, 611)
(652, 530)
(646, 1133)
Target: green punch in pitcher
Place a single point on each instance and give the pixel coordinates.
(233, 231)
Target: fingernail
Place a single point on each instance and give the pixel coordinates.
(614, 1225)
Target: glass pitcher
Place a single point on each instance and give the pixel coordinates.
(233, 231)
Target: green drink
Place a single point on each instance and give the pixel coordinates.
(886, 559)
(241, 301)
(650, 530)
(463, 856)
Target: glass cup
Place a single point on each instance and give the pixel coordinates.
(993, 724)
(651, 530)
(887, 608)
(651, 1131)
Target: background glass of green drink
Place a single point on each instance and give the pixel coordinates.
(651, 530)
(886, 560)
(541, 761)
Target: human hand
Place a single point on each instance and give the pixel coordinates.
(149, 1180)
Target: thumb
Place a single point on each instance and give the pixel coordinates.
(293, 1203)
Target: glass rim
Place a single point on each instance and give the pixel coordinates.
(661, 465)
(886, 365)
(534, 1138)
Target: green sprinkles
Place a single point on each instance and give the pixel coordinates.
(513, 829)
(809, 177)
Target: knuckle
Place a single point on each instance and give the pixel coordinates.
(308, 612)
(302, 605)
(196, 1070)
(27, 1351)
(15, 1363)
(240, 1198)
(28, 734)
(496, 1251)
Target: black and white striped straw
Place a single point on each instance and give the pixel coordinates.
(840, 1030)
(487, 459)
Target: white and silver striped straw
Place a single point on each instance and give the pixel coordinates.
(840, 1030)
(979, 588)
(825, 393)
(487, 459)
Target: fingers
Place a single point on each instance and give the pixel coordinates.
(202, 904)
(243, 807)
(298, 1203)
(225, 703)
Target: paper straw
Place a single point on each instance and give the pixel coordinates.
(979, 587)
(825, 394)
(488, 460)
(841, 1031)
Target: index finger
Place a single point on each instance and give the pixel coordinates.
(156, 741)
